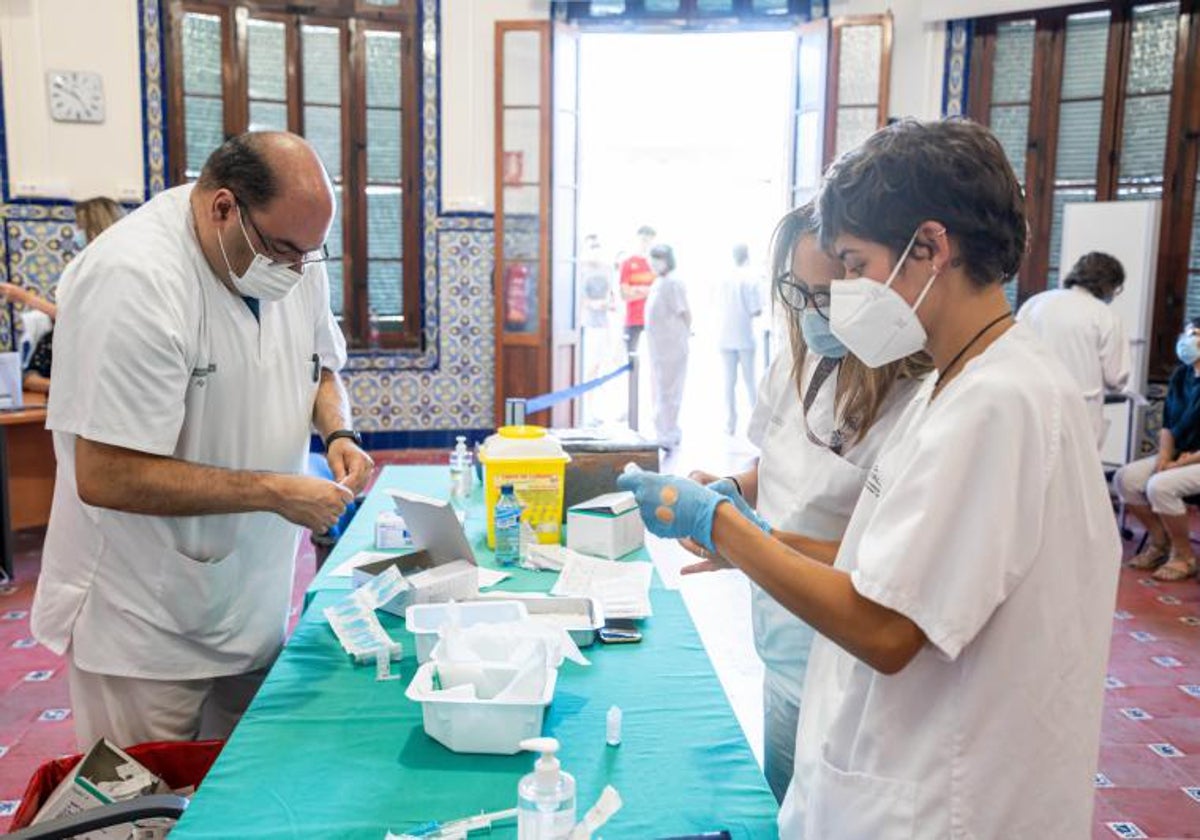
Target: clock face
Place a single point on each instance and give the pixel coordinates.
(75, 96)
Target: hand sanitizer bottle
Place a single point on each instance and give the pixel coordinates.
(462, 457)
(545, 797)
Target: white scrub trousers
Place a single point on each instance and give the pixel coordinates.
(1164, 492)
(129, 711)
(781, 715)
(734, 359)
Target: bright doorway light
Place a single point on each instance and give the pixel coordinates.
(689, 133)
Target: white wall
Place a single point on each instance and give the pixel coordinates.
(468, 37)
(918, 55)
(48, 159)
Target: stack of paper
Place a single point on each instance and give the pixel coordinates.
(622, 588)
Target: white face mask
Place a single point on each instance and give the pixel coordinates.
(872, 319)
(263, 279)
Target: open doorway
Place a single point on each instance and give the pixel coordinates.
(691, 134)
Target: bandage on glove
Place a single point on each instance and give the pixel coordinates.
(673, 507)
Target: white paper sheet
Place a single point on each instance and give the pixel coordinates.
(490, 577)
(623, 588)
(347, 566)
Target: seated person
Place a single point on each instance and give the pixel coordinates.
(37, 369)
(1154, 488)
(92, 217)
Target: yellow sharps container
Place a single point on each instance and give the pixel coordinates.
(534, 463)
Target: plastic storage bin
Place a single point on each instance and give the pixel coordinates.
(580, 617)
(534, 463)
(479, 726)
(424, 620)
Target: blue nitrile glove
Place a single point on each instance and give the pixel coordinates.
(673, 507)
(729, 490)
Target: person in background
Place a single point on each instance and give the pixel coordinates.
(822, 417)
(957, 684)
(740, 304)
(597, 304)
(92, 217)
(636, 278)
(668, 328)
(196, 354)
(1154, 488)
(1079, 325)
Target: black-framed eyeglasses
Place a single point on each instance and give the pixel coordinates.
(283, 256)
(798, 296)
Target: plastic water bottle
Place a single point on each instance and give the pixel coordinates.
(508, 527)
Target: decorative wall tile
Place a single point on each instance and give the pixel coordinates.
(460, 393)
(447, 384)
(958, 68)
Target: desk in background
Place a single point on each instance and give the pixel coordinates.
(27, 466)
(326, 751)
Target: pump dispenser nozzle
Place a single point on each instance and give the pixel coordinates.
(545, 797)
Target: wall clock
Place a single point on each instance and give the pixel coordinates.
(75, 96)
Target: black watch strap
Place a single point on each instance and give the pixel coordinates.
(344, 433)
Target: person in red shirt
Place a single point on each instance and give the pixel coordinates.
(636, 279)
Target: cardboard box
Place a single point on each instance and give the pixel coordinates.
(597, 458)
(429, 581)
(105, 775)
(607, 526)
(391, 532)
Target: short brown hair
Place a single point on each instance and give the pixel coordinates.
(1101, 274)
(952, 171)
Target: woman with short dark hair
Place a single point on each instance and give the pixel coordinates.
(957, 684)
(1077, 323)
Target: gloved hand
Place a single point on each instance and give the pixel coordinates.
(673, 507)
(729, 490)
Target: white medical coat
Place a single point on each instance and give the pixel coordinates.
(153, 353)
(1087, 336)
(987, 523)
(668, 327)
(806, 489)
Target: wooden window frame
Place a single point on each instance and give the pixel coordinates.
(1180, 154)
(833, 72)
(354, 18)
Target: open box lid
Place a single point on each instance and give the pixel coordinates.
(610, 504)
(434, 527)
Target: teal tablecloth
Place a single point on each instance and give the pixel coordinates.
(326, 751)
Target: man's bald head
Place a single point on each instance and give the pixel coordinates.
(262, 193)
(261, 167)
(277, 176)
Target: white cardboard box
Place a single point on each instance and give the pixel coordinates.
(104, 768)
(391, 531)
(607, 526)
(429, 581)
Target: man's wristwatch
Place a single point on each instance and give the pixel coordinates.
(344, 433)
